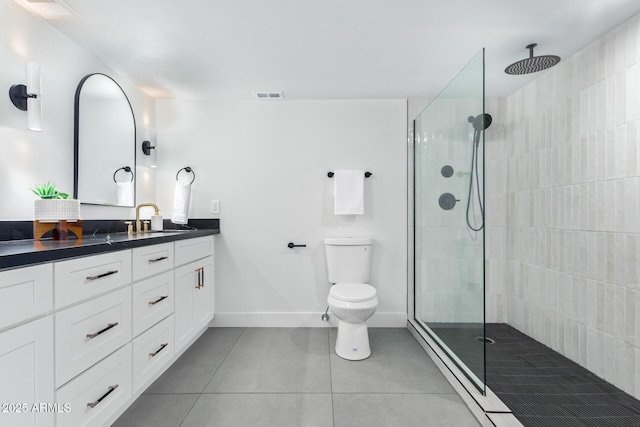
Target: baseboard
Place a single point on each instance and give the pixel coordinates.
(297, 320)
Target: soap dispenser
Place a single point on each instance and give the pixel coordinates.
(156, 222)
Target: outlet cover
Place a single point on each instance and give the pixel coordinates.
(215, 206)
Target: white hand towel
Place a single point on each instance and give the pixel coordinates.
(181, 203)
(124, 192)
(348, 191)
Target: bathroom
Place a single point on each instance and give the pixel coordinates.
(266, 162)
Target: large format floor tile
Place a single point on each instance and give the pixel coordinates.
(193, 370)
(162, 410)
(397, 365)
(291, 377)
(405, 410)
(276, 360)
(265, 410)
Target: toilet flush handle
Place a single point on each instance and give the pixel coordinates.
(291, 245)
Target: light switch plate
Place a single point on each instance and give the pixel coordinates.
(215, 206)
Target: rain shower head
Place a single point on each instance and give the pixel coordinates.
(532, 64)
(481, 121)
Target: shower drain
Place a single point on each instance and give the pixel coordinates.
(486, 340)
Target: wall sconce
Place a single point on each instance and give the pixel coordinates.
(27, 98)
(150, 150)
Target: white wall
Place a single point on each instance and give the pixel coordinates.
(267, 163)
(571, 201)
(32, 158)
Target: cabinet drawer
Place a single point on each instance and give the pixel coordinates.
(98, 393)
(193, 249)
(25, 293)
(88, 332)
(82, 278)
(150, 260)
(152, 301)
(152, 351)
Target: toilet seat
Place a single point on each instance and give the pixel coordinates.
(353, 292)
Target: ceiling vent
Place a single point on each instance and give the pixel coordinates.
(269, 95)
(49, 9)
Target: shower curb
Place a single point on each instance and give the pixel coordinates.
(489, 410)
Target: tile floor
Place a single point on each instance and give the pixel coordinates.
(540, 386)
(291, 377)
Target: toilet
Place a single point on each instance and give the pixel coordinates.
(351, 298)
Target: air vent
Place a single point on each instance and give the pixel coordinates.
(269, 95)
(49, 9)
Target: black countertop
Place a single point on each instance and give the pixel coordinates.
(20, 253)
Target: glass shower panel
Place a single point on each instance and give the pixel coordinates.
(448, 219)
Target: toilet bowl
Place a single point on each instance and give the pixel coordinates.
(351, 299)
(352, 304)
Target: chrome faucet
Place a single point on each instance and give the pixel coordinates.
(141, 205)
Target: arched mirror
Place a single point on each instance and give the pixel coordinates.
(105, 135)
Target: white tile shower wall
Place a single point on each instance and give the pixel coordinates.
(571, 199)
(31, 158)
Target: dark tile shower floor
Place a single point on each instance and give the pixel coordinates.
(540, 386)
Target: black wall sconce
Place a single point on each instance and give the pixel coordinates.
(27, 97)
(150, 150)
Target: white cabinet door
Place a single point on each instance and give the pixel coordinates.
(26, 372)
(186, 280)
(194, 299)
(205, 294)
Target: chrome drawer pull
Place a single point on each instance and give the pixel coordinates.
(109, 326)
(158, 300)
(100, 276)
(162, 346)
(94, 404)
(158, 259)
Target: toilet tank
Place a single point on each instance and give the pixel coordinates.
(348, 259)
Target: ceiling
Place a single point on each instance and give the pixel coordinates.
(329, 49)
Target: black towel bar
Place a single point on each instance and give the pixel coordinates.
(366, 174)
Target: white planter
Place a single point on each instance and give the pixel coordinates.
(56, 209)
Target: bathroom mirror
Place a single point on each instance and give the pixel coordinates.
(105, 134)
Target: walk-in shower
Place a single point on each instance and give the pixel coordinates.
(449, 220)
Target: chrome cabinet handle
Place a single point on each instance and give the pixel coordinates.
(158, 300)
(109, 326)
(100, 276)
(94, 404)
(158, 259)
(162, 346)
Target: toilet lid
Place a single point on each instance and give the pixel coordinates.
(353, 292)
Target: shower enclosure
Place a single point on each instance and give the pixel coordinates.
(449, 220)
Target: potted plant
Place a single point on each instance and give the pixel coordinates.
(54, 205)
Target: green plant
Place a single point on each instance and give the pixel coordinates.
(48, 191)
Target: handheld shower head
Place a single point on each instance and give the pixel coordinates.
(481, 121)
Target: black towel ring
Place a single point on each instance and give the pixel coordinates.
(124, 168)
(188, 170)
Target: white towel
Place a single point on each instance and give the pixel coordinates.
(181, 203)
(125, 191)
(348, 191)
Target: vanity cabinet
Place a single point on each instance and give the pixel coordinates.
(119, 320)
